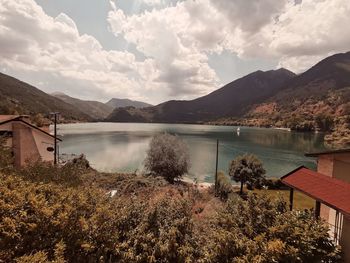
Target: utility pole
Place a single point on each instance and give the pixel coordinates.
(216, 165)
(55, 114)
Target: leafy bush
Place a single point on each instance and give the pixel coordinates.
(259, 230)
(167, 157)
(274, 184)
(36, 217)
(47, 172)
(46, 222)
(224, 186)
(6, 157)
(52, 214)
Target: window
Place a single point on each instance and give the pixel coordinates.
(6, 134)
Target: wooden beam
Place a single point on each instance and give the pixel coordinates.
(317, 209)
(291, 198)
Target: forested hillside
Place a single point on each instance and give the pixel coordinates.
(17, 97)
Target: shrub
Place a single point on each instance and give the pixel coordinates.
(44, 219)
(46, 222)
(6, 157)
(275, 184)
(260, 230)
(38, 218)
(47, 172)
(224, 187)
(167, 157)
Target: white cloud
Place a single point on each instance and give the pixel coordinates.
(34, 43)
(38, 47)
(297, 33)
(153, 2)
(311, 31)
(175, 39)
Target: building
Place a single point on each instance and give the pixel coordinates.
(330, 187)
(28, 142)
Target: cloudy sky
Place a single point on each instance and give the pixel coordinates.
(156, 50)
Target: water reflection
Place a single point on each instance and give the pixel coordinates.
(122, 147)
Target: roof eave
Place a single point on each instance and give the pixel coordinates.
(316, 154)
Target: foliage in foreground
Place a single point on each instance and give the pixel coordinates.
(50, 222)
(65, 214)
(37, 217)
(259, 230)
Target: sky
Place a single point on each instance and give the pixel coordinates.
(159, 50)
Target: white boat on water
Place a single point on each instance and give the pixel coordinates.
(238, 131)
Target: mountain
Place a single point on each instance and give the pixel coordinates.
(323, 90)
(234, 99)
(95, 109)
(17, 97)
(121, 103)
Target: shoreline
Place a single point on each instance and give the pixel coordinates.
(200, 124)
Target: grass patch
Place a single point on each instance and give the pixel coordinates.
(301, 201)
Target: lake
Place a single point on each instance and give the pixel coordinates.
(112, 147)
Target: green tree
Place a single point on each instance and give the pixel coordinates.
(324, 122)
(168, 157)
(247, 168)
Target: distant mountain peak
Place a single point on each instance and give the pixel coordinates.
(268, 72)
(122, 103)
(285, 71)
(95, 109)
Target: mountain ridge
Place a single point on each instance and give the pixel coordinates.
(122, 103)
(95, 109)
(226, 101)
(18, 97)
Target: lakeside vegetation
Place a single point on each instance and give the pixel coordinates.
(76, 214)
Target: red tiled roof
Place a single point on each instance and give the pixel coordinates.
(332, 192)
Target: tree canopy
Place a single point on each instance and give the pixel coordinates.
(168, 157)
(246, 169)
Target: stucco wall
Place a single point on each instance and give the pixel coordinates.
(345, 239)
(28, 143)
(43, 141)
(23, 144)
(342, 169)
(325, 166)
(337, 166)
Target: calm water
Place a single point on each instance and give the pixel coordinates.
(122, 146)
